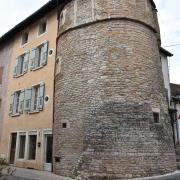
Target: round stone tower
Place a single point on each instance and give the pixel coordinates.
(111, 116)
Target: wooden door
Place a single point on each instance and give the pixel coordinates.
(13, 147)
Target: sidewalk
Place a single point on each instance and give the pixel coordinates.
(28, 174)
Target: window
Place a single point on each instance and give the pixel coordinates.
(22, 143)
(32, 147)
(39, 56)
(1, 74)
(42, 27)
(16, 102)
(0, 103)
(17, 98)
(62, 18)
(21, 67)
(35, 98)
(64, 125)
(156, 117)
(24, 39)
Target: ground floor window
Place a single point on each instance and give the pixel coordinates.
(32, 147)
(22, 144)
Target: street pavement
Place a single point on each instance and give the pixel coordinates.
(173, 177)
(27, 174)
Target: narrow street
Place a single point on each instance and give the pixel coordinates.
(27, 174)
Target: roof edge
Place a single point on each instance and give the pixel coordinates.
(166, 52)
(50, 5)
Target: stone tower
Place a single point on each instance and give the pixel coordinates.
(111, 115)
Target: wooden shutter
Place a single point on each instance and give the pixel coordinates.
(44, 53)
(15, 68)
(11, 103)
(21, 102)
(33, 58)
(26, 62)
(28, 95)
(18, 70)
(41, 96)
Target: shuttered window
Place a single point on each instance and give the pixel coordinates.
(22, 63)
(39, 56)
(16, 102)
(35, 98)
(28, 95)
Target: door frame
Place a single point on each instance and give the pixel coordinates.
(10, 145)
(45, 133)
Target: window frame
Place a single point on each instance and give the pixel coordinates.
(15, 108)
(45, 20)
(24, 54)
(22, 38)
(36, 48)
(156, 112)
(25, 145)
(32, 133)
(38, 110)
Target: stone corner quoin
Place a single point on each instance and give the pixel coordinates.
(108, 81)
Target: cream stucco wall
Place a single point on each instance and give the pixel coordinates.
(41, 121)
(165, 70)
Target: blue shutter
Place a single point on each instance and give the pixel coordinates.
(11, 104)
(28, 94)
(21, 102)
(41, 96)
(44, 53)
(18, 67)
(26, 62)
(15, 68)
(33, 58)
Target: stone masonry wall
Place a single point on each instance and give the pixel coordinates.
(108, 81)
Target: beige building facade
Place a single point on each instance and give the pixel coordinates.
(28, 115)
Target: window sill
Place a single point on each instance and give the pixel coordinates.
(42, 34)
(32, 161)
(33, 112)
(15, 115)
(20, 160)
(37, 68)
(23, 45)
(19, 75)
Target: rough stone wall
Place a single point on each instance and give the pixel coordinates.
(5, 58)
(107, 83)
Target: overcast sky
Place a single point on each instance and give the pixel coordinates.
(14, 11)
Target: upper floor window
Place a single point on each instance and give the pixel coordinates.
(16, 102)
(0, 103)
(1, 74)
(62, 18)
(39, 56)
(35, 98)
(24, 39)
(22, 62)
(42, 27)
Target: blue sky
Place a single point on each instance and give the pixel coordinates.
(14, 11)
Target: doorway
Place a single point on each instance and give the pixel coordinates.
(13, 148)
(48, 152)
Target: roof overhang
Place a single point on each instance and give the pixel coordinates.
(165, 52)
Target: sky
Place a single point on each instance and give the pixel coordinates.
(14, 11)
